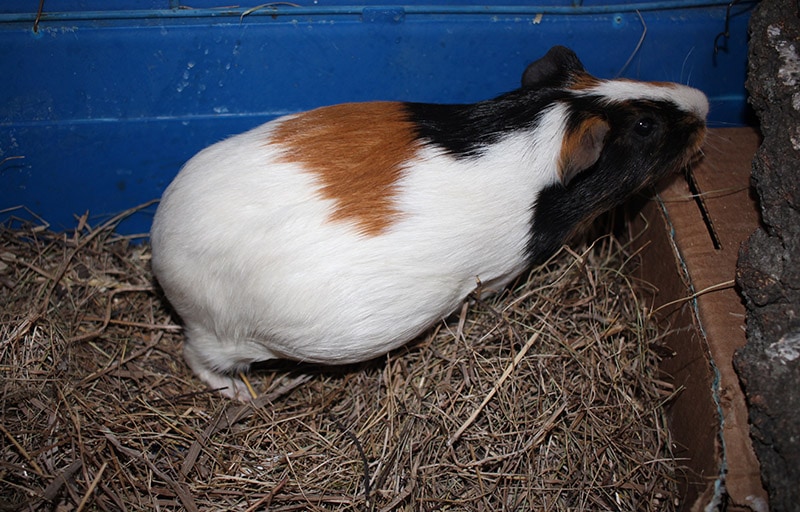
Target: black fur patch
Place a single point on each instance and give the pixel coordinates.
(463, 131)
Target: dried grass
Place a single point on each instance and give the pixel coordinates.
(545, 398)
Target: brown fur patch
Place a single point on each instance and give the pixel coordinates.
(670, 85)
(357, 150)
(582, 81)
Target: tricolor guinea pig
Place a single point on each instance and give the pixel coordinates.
(336, 235)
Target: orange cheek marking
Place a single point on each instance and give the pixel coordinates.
(357, 151)
(581, 147)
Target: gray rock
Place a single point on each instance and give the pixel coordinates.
(769, 261)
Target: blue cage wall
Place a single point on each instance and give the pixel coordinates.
(102, 101)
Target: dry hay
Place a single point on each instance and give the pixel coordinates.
(545, 398)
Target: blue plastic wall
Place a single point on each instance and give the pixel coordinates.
(105, 104)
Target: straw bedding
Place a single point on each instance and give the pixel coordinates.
(544, 398)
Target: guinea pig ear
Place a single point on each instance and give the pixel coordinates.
(581, 147)
(555, 69)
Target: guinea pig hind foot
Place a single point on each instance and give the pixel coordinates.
(227, 385)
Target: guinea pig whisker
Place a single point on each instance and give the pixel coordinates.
(683, 67)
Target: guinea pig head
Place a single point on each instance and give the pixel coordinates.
(617, 137)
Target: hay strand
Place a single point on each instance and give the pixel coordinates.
(510, 368)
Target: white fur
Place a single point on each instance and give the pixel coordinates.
(246, 251)
(686, 98)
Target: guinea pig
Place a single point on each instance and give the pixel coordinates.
(336, 235)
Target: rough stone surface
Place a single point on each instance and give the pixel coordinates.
(769, 261)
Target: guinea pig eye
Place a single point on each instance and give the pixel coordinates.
(644, 126)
